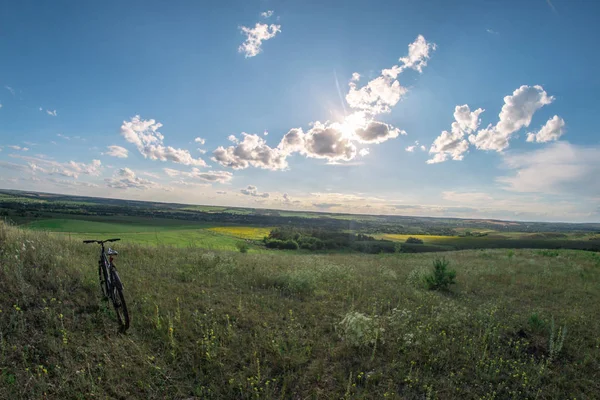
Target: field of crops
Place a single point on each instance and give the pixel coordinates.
(243, 232)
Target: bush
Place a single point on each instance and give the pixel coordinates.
(441, 279)
(281, 244)
(414, 240)
(243, 247)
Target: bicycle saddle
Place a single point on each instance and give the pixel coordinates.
(111, 252)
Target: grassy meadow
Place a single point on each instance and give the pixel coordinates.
(214, 324)
(152, 231)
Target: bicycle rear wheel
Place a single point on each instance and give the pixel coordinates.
(119, 302)
(102, 275)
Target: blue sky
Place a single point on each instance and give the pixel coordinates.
(468, 109)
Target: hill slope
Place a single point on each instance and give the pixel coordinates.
(212, 324)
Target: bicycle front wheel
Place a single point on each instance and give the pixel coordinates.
(121, 308)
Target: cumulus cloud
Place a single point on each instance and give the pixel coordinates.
(560, 168)
(251, 190)
(266, 14)
(207, 176)
(377, 132)
(384, 92)
(418, 54)
(516, 113)
(363, 152)
(125, 178)
(117, 151)
(255, 36)
(333, 141)
(551, 131)
(453, 144)
(410, 149)
(329, 142)
(52, 113)
(252, 150)
(145, 136)
(200, 140)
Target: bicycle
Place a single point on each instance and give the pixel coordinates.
(110, 283)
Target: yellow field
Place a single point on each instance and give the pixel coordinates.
(402, 238)
(243, 232)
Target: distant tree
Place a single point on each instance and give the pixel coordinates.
(414, 240)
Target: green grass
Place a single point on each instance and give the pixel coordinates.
(225, 325)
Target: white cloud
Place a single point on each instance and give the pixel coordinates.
(145, 136)
(363, 152)
(551, 131)
(423, 148)
(266, 14)
(452, 144)
(60, 135)
(252, 150)
(232, 138)
(255, 36)
(418, 54)
(18, 148)
(559, 168)
(200, 140)
(251, 190)
(493, 32)
(117, 151)
(201, 151)
(51, 113)
(71, 169)
(125, 178)
(377, 96)
(516, 113)
(221, 192)
(410, 149)
(384, 92)
(208, 176)
(286, 198)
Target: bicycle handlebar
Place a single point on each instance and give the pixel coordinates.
(101, 241)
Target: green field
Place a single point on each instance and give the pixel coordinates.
(155, 232)
(519, 324)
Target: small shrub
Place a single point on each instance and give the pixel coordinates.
(414, 240)
(243, 247)
(359, 330)
(442, 278)
(536, 323)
